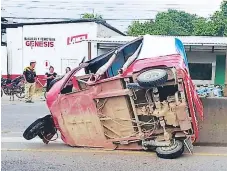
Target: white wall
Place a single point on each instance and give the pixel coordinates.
(60, 50)
(203, 57)
(104, 31)
(3, 60)
(14, 50)
(21, 52)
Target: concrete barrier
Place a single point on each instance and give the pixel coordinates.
(213, 130)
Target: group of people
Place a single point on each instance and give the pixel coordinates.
(30, 79)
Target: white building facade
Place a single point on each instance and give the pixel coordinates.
(57, 44)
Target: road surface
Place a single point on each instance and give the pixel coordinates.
(21, 155)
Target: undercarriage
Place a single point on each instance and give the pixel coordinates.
(151, 116)
(148, 111)
(138, 96)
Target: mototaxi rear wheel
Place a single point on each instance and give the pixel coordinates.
(173, 151)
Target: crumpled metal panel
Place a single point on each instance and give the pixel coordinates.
(80, 120)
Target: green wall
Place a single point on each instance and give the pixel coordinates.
(220, 70)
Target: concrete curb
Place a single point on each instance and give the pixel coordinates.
(214, 127)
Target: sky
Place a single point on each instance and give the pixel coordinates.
(118, 13)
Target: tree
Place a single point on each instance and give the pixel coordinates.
(203, 27)
(91, 16)
(138, 28)
(172, 22)
(219, 19)
(180, 23)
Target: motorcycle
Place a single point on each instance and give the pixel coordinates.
(13, 87)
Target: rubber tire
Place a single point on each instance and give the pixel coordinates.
(1, 92)
(34, 129)
(21, 97)
(171, 154)
(146, 79)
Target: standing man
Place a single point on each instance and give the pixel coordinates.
(30, 81)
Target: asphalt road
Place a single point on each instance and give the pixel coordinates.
(17, 115)
(21, 155)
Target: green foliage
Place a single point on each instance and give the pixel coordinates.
(180, 23)
(203, 27)
(219, 19)
(174, 22)
(91, 16)
(138, 28)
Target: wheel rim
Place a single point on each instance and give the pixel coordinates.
(20, 93)
(152, 75)
(171, 147)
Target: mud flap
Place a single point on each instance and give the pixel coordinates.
(188, 144)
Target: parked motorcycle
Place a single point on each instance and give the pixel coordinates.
(13, 87)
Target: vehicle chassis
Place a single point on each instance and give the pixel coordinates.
(122, 113)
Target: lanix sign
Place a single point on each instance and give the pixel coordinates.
(76, 39)
(39, 42)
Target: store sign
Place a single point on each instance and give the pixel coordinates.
(39, 42)
(76, 39)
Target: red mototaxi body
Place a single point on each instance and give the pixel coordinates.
(175, 60)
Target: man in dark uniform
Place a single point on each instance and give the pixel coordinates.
(30, 81)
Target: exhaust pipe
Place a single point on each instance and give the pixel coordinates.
(156, 143)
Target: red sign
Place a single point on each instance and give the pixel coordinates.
(46, 63)
(76, 39)
(39, 42)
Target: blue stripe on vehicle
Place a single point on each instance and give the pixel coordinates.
(180, 49)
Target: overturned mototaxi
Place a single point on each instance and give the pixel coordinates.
(138, 96)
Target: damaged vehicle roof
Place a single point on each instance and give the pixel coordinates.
(150, 47)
